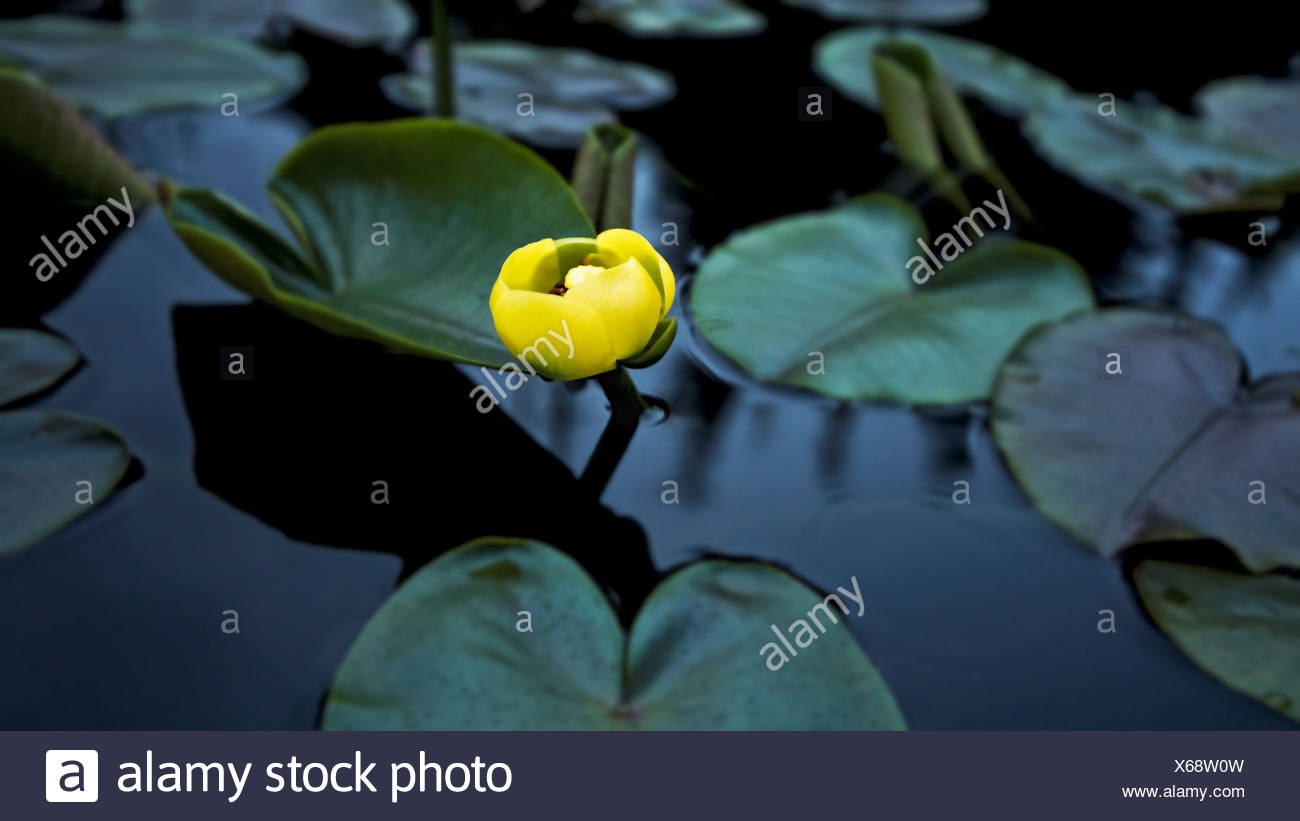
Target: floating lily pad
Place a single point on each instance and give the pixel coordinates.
(1158, 155)
(905, 11)
(351, 22)
(1005, 83)
(1256, 109)
(550, 96)
(837, 283)
(444, 653)
(114, 69)
(402, 226)
(1170, 447)
(1243, 630)
(674, 18)
(44, 455)
(31, 361)
(45, 138)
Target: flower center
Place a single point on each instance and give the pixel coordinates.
(589, 266)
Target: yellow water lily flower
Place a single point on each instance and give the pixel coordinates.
(573, 308)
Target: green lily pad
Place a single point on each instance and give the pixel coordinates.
(1255, 109)
(1158, 155)
(114, 69)
(903, 11)
(1243, 630)
(349, 22)
(44, 458)
(571, 89)
(450, 200)
(44, 455)
(1007, 84)
(444, 653)
(31, 361)
(838, 283)
(1169, 448)
(45, 138)
(674, 18)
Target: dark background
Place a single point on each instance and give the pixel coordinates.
(983, 622)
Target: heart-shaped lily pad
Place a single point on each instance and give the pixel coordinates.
(115, 69)
(44, 137)
(31, 361)
(906, 11)
(452, 650)
(1129, 425)
(403, 228)
(1256, 109)
(1158, 155)
(550, 96)
(826, 301)
(1006, 83)
(349, 22)
(1243, 630)
(674, 18)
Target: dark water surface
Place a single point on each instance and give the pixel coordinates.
(255, 496)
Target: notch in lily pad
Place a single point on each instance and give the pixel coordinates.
(691, 660)
(1127, 426)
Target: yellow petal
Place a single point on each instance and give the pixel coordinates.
(618, 245)
(579, 274)
(534, 267)
(670, 284)
(626, 300)
(558, 338)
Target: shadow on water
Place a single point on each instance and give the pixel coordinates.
(336, 441)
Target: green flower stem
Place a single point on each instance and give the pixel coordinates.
(444, 98)
(624, 399)
(626, 406)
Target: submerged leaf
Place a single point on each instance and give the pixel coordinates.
(550, 96)
(1243, 630)
(1129, 425)
(1158, 155)
(905, 11)
(1255, 109)
(674, 18)
(351, 22)
(837, 284)
(449, 651)
(114, 69)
